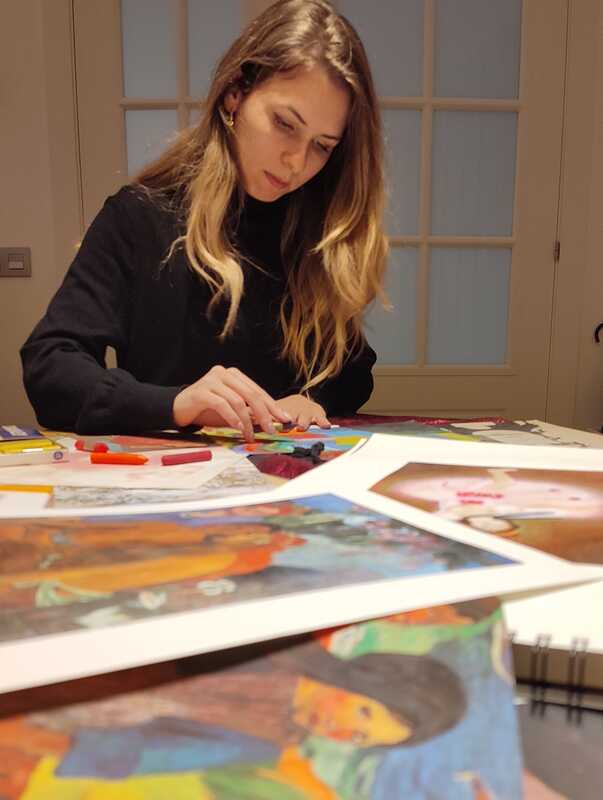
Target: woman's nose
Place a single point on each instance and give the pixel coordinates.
(295, 159)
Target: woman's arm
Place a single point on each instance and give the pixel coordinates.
(118, 294)
(64, 358)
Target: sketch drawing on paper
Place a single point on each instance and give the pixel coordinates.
(408, 706)
(243, 478)
(59, 574)
(557, 511)
(504, 431)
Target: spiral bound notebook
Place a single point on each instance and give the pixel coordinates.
(558, 637)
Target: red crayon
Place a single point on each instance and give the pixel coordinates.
(186, 458)
(94, 447)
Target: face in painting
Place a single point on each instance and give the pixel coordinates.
(286, 129)
(346, 717)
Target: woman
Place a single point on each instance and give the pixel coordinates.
(236, 268)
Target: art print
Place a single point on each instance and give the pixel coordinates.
(69, 573)
(412, 705)
(557, 511)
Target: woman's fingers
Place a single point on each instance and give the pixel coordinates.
(304, 411)
(238, 400)
(232, 408)
(304, 419)
(263, 407)
(260, 397)
(210, 393)
(320, 419)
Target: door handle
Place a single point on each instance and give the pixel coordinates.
(598, 330)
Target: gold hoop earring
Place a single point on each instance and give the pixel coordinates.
(229, 120)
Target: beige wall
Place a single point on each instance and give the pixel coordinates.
(26, 212)
(37, 175)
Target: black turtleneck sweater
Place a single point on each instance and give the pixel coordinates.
(119, 293)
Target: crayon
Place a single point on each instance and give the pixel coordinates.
(97, 445)
(186, 458)
(118, 458)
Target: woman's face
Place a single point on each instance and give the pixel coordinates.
(286, 129)
(345, 716)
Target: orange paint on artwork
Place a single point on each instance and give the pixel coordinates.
(33, 744)
(297, 771)
(215, 551)
(439, 615)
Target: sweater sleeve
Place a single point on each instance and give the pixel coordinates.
(343, 394)
(64, 369)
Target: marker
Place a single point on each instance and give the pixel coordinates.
(186, 458)
(117, 458)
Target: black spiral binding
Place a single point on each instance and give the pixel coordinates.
(572, 693)
(539, 668)
(576, 670)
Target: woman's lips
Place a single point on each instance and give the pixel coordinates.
(279, 184)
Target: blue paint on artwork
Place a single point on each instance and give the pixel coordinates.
(162, 745)
(457, 763)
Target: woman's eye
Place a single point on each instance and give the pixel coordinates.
(324, 149)
(282, 123)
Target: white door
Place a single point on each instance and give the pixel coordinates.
(472, 96)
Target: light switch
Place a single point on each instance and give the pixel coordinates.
(15, 262)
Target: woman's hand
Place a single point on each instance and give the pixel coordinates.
(303, 411)
(228, 397)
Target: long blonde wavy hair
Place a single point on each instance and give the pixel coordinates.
(333, 241)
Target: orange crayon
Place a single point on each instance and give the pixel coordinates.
(118, 458)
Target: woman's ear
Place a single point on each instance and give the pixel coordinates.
(232, 100)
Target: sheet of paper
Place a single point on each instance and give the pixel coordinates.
(87, 594)
(17, 502)
(235, 481)
(383, 454)
(80, 472)
(558, 434)
(565, 615)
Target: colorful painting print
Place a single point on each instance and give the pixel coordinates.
(243, 478)
(315, 443)
(557, 511)
(72, 573)
(418, 705)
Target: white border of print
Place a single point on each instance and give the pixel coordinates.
(47, 659)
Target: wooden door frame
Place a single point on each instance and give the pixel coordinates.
(567, 334)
